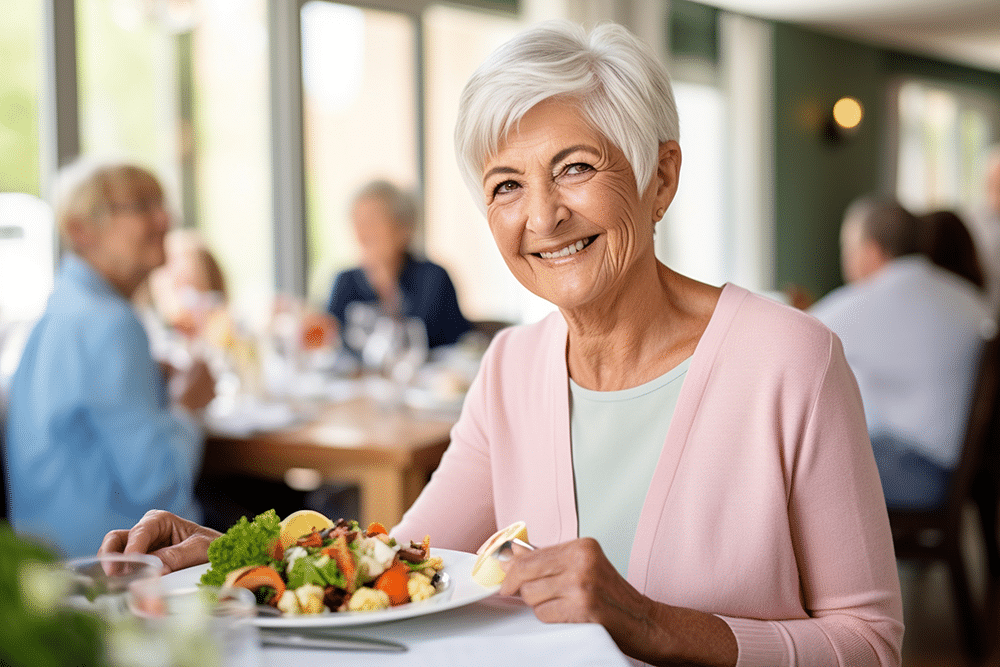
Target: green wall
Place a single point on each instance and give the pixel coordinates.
(815, 179)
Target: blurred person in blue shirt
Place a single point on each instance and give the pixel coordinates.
(390, 278)
(912, 333)
(92, 438)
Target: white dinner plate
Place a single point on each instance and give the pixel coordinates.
(461, 590)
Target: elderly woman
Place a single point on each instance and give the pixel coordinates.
(92, 438)
(390, 278)
(691, 461)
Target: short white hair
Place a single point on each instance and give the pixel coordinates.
(615, 79)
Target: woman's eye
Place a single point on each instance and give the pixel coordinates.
(578, 168)
(505, 187)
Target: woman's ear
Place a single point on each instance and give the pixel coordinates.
(668, 172)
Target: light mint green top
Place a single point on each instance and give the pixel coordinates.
(617, 438)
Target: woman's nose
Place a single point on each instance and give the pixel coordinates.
(546, 211)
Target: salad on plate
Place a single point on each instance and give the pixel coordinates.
(308, 564)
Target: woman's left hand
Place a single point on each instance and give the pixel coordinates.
(574, 582)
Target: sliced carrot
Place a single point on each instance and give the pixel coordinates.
(342, 555)
(375, 528)
(276, 551)
(261, 575)
(393, 583)
(311, 540)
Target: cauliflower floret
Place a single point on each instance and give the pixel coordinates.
(368, 599)
(419, 586)
(289, 604)
(310, 598)
(375, 556)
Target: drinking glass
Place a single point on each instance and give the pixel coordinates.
(396, 348)
(208, 626)
(113, 585)
(409, 351)
(360, 319)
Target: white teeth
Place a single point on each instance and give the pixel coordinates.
(571, 249)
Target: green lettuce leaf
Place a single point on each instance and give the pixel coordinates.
(245, 543)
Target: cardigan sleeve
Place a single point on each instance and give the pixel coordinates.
(842, 541)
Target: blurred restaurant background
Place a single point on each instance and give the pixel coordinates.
(263, 117)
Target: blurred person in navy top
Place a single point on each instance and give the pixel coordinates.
(390, 277)
(93, 441)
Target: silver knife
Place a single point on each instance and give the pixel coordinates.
(330, 642)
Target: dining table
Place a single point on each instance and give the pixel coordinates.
(387, 448)
(495, 632)
(478, 630)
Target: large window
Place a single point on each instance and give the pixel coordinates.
(185, 93)
(693, 238)
(457, 40)
(364, 120)
(230, 137)
(128, 73)
(360, 121)
(943, 134)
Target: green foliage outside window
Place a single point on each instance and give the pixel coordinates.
(20, 83)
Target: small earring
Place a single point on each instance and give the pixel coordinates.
(659, 213)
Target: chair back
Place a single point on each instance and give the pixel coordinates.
(980, 446)
(936, 534)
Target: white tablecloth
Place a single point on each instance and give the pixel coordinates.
(498, 632)
(489, 633)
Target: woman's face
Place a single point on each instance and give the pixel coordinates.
(563, 208)
(382, 240)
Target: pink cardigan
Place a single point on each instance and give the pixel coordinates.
(765, 506)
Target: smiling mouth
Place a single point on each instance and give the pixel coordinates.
(571, 249)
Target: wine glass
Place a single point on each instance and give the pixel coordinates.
(409, 352)
(396, 348)
(360, 321)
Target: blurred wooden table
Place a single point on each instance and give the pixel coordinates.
(388, 452)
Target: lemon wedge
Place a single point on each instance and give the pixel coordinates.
(300, 523)
(486, 570)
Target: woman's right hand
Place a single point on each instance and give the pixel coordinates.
(177, 542)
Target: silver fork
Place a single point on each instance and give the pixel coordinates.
(506, 549)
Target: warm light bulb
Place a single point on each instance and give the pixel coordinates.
(847, 112)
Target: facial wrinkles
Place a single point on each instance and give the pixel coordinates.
(596, 203)
(624, 198)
